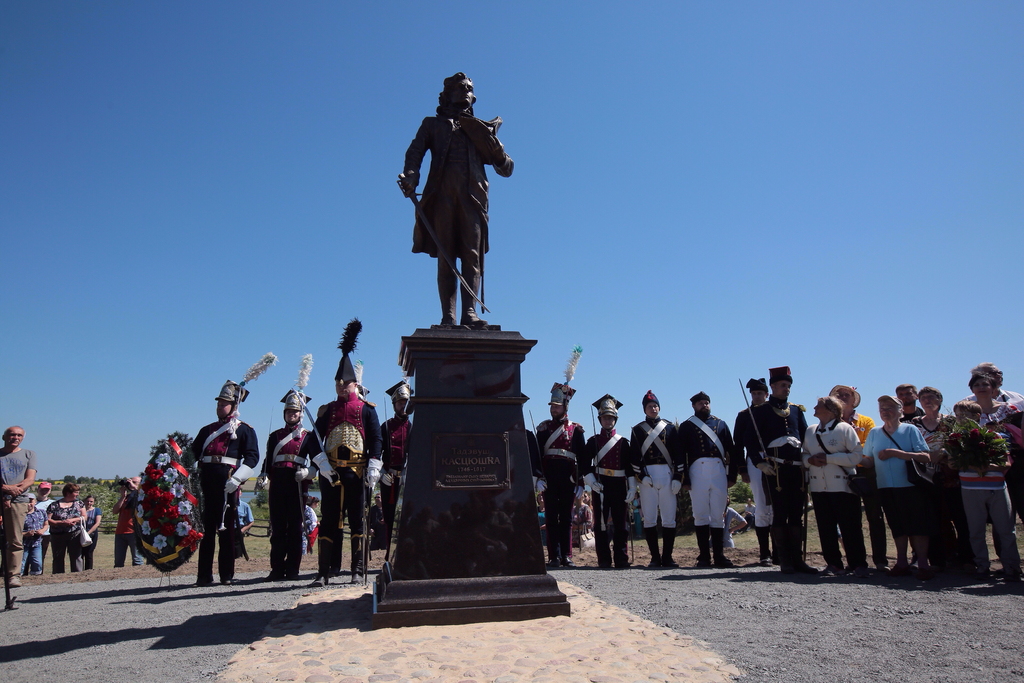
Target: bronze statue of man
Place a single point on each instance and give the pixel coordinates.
(455, 197)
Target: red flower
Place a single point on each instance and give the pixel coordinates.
(173, 512)
(975, 434)
(167, 529)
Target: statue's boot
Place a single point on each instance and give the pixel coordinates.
(469, 316)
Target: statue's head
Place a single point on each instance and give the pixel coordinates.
(457, 93)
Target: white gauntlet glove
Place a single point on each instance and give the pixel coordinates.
(591, 480)
(372, 473)
(630, 490)
(325, 469)
(261, 482)
(239, 477)
(766, 467)
(539, 485)
(648, 482)
(676, 486)
(301, 473)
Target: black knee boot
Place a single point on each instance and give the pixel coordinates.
(651, 534)
(796, 539)
(357, 559)
(718, 548)
(703, 534)
(764, 545)
(668, 538)
(780, 545)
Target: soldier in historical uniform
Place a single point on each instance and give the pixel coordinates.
(763, 507)
(350, 466)
(455, 196)
(561, 442)
(608, 469)
(705, 444)
(284, 468)
(226, 451)
(655, 451)
(395, 456)
(782, 426)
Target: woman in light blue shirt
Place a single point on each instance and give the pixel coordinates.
(908, 511)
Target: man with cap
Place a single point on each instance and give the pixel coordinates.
(655, 446)
(285, 467)
(351, 464)
(608, 469)
(395, 456)
(561, 442)
(762, 503)
(704, 447)
(226, 452)
(775, 449)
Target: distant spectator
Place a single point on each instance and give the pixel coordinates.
(907, 510)
(124, 533)
(43, 502)
(907, 394)
(310, 526)
(93, 517)
(66, 516)
(245, 522)
(35, 523)
(377, 528)
(730, 517)
(19, 473)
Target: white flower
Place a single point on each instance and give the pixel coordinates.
(184, 507)
(178, 490)
(183, 528)
(145, 529)
(162, 460)
(170, 474)
(160, 542)
(138, 509)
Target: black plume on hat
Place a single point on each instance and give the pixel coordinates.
(346, 372)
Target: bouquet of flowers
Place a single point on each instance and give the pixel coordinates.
(166, 516)
(972, 446)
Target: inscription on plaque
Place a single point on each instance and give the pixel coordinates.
(471, 461)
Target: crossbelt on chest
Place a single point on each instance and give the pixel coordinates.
(557, 452)
(652, 438)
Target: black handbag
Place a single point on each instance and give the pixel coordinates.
(921, 474)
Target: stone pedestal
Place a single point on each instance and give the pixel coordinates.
(467, 544)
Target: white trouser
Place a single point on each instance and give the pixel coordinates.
(709, 492)
(658, 497)
(763, 513)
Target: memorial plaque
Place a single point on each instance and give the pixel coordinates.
(471, 461)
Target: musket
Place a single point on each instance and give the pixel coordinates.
(440, 250)
(756, 431)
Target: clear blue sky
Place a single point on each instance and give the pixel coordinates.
(701, 191)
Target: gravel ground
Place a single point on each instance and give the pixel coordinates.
(135, 630)
(772, 627)
(777, 628)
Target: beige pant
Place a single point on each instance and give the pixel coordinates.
(14, 524)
